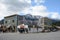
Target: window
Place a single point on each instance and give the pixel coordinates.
(8, 21)
(5, 21)
(12, 20)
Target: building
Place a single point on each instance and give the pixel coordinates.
(2, 22)
(31, 20)
(44, 22)
(13, 21)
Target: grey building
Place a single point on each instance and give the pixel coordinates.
(13, 21)
(44, 22)
(2, 22)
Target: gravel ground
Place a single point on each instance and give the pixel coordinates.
(30, 36)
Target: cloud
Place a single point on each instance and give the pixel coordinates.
(55, 15)
(39, 1)
(36, 10)
(16, 5)
(41, 10)
(3, 10)
(28, 1)
(9, 7)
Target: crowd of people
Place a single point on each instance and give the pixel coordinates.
(22, 28)
(3, 28)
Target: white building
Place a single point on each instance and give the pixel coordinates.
(44, 22)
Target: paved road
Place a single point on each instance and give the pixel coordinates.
(30, 36)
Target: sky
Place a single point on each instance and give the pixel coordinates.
(44, 8)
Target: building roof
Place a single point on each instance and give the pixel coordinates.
(12, 15)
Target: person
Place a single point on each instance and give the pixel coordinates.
(21, 28)
(18, 27)
(26, 28)
(0, 29)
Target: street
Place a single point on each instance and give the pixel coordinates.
(30, 36)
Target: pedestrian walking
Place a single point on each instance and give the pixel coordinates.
(26, 28)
